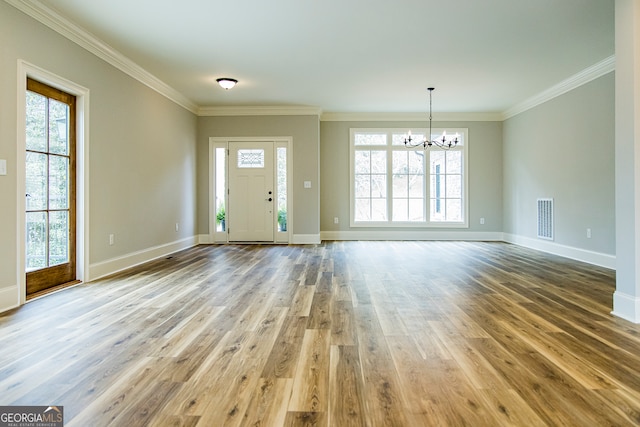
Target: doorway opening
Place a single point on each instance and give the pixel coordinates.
(78, 131)
(50, 163)
(250, 197)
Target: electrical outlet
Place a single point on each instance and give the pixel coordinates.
(336, 220)
(177, 226)
(481, 221)
(588, 233)
(111, 239)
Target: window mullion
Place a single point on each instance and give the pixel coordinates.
(426, 185)
(389, 174)
(371, 183)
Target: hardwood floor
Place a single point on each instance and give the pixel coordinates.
(339, 334)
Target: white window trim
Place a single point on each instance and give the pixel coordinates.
(463, 132)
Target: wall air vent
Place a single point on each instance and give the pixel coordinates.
(545, 219)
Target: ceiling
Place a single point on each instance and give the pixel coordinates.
(354, 55)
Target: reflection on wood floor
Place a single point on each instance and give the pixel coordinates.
(339, 334)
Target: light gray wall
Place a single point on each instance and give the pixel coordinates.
(564, 149)
(485, 171)
(143, 170)
(303, 129)
(142, 167)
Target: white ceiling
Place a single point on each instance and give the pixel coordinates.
(355, 55)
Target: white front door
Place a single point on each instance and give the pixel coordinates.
(251, 200)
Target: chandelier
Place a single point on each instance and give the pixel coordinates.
(444, 142)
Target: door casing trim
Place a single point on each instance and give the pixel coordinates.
(81, 93)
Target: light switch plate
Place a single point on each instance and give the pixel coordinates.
(307, 184)
(3, 167)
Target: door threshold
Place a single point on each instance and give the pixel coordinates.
(53, 289)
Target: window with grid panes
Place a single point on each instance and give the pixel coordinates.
(392, 185)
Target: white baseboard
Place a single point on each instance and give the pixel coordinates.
(9, 298)
(626, 307)
(590, 257)
(298, 239)
(604, 260)
(306, 239)
(114, 265)
(204, 239)
(412, 235)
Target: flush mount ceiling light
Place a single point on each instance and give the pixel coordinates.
(443, 141)
(226, 82)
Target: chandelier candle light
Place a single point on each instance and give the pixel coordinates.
(441, 142)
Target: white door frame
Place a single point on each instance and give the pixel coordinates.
(223, 142)
(81, 93)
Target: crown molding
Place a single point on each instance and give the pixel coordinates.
(410, 117)
(259, 111)
(599, 69)
(91, 43)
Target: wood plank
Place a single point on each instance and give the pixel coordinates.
(342, 324)
(311, 382)
(306, 419)
(227, 406)
(388, 317)
(510, 408)
(269, 403)
(107, 404)
(152, 399)
(552, 347)
(175, 421)
(320, 312)
(325, 282)
(205, 384)
(283, 358)
(346, 408)
(381, 390)
(479, 372)
(301, 304)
